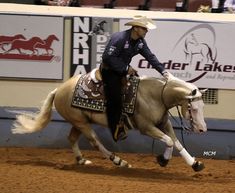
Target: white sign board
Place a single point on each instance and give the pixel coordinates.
(31, 47)
(197, 52)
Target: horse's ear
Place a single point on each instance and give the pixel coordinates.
(203, 90)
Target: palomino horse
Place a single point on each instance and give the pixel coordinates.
(154, 98)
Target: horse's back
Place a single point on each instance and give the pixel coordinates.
(65, 90)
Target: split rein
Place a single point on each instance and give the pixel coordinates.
(182, 125)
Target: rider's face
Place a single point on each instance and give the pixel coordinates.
(141, 31)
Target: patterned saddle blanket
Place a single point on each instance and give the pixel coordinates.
(89, 94)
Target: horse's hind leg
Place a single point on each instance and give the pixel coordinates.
(73, 139)
(88, 132)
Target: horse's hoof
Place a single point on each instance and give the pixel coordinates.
(125, 164)
(198, 166)
(119, 162)
(162, 161)
(83, 162)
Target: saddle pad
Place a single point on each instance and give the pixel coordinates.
(90, 95)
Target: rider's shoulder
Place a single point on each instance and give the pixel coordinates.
(120, 35)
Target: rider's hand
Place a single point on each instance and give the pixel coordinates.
(167, 75)
(132, 71)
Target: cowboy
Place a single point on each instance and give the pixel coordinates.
(116, 65)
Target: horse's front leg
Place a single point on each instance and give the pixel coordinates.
(164, 158)
(196, 165)
(168, 130)
(156, 133)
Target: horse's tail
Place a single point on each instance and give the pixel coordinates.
(215, 56)
(32, 122)
(210, 54)
(186, 51)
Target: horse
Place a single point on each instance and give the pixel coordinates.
(47, 44)
(26, 44)
(154, 98)
(5, 40)
(193, 47)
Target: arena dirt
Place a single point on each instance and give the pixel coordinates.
(34, 170)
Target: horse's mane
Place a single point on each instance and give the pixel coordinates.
(172, 80)
(151, 78)
(183, 83)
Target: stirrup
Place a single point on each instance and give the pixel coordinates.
(120, 132)
(126, 121)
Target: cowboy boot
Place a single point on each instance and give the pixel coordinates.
(121, 131)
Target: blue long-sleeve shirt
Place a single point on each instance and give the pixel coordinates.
(121, 49)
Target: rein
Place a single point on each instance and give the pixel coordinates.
(182, 125)
(183, 128)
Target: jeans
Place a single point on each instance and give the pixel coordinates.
(112, 89)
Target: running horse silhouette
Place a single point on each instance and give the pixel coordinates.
(98, 29)
(5, 40)
(47, 44)
(154, 98)
(26, 45)
(193, 47)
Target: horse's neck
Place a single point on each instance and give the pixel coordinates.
(151, 89)
(175, 92)
(48, 41)
(158, 92)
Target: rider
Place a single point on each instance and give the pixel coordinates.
(115, 65)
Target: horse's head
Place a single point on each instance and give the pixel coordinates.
(192, 110)
(190, 98)
(53, 37)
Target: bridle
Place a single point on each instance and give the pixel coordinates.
(189, 108)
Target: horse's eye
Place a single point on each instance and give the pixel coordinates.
(194, 92)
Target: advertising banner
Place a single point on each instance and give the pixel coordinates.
(197, 52)
(31, 47)
(90, 35)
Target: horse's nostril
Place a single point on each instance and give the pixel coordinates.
(200, 130)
